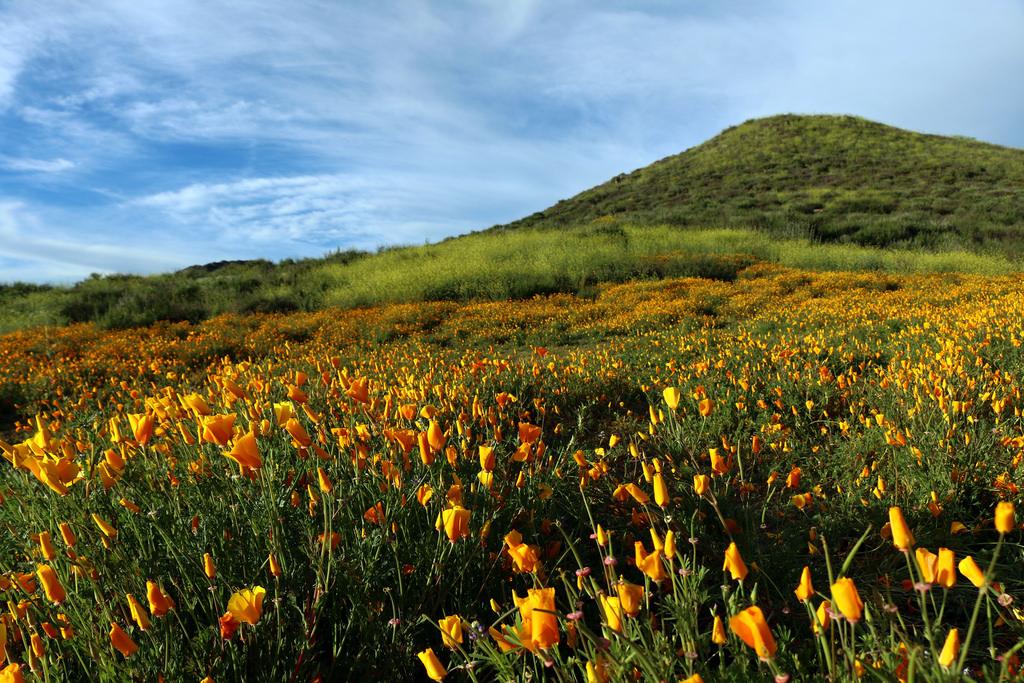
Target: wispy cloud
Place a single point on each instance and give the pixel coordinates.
(286, 127)
(36, 165)
(26, 236)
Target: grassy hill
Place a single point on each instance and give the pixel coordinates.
(821, 192)
(835, 178)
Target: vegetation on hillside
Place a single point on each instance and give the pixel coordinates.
(831, 178)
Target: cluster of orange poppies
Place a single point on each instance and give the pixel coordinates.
(787, 369)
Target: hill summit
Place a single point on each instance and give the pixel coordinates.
(832, 178)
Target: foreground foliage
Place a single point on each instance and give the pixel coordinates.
(768, 477)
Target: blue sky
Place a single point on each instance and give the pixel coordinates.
(144, 136)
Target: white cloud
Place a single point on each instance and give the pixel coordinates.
(284, 127)
(36, 165)
(28, 237)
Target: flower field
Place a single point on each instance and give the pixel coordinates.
(785, 476)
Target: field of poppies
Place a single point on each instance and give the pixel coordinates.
(786, 476)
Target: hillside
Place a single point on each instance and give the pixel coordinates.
(818, 192)
(834, 178)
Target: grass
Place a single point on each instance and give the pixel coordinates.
(444, 467)
(491, 266)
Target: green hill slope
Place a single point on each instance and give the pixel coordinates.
(833, 178)
(823, 192)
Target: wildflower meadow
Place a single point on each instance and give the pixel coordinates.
(791, 475)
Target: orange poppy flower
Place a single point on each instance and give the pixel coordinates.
(734, 563)
(121, 641)
(55, 592)
(847, 599)
(247, 605)
(901, 536)
(751, 627)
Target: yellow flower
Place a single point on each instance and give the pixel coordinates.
(945, 572)
(598, 672)
(139, 615)
(120, 640)
(705, 407)
(228, 626)
(526, 557)
(637, 493)
(753, 630)
(275, 566)
(719, 465)
(451, 631)
(159, 602)
(528, 433)
(298, 433)
(805, 590)
(142, 428)
(660, 490)
(426, 452)
(612, 609)
(435, 669)
(108, 531)
(456, 523)
(46, 546)
(672, 396)
(734, 563)
(245, 452)
(67, 632)
(68, 535)
(435, 436)
(359, 390)
(969, 568)
(51, 585)
(793, 480)
(209, 568)
(283, 412)
(423, 494)
(926, 561)
(701, 482)
(670, 544)
(847, 599)
(650, 564)
(823, 616)
(1004, 517)
(500, 639)
(630, 596)
(486, 458)
(901, 536)
(718, 632)
(325, 482)
(197, 403)
(540, 623)
(11, 674)
(218, 429)
(330, 540)
(247, 605)
(951, 649)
